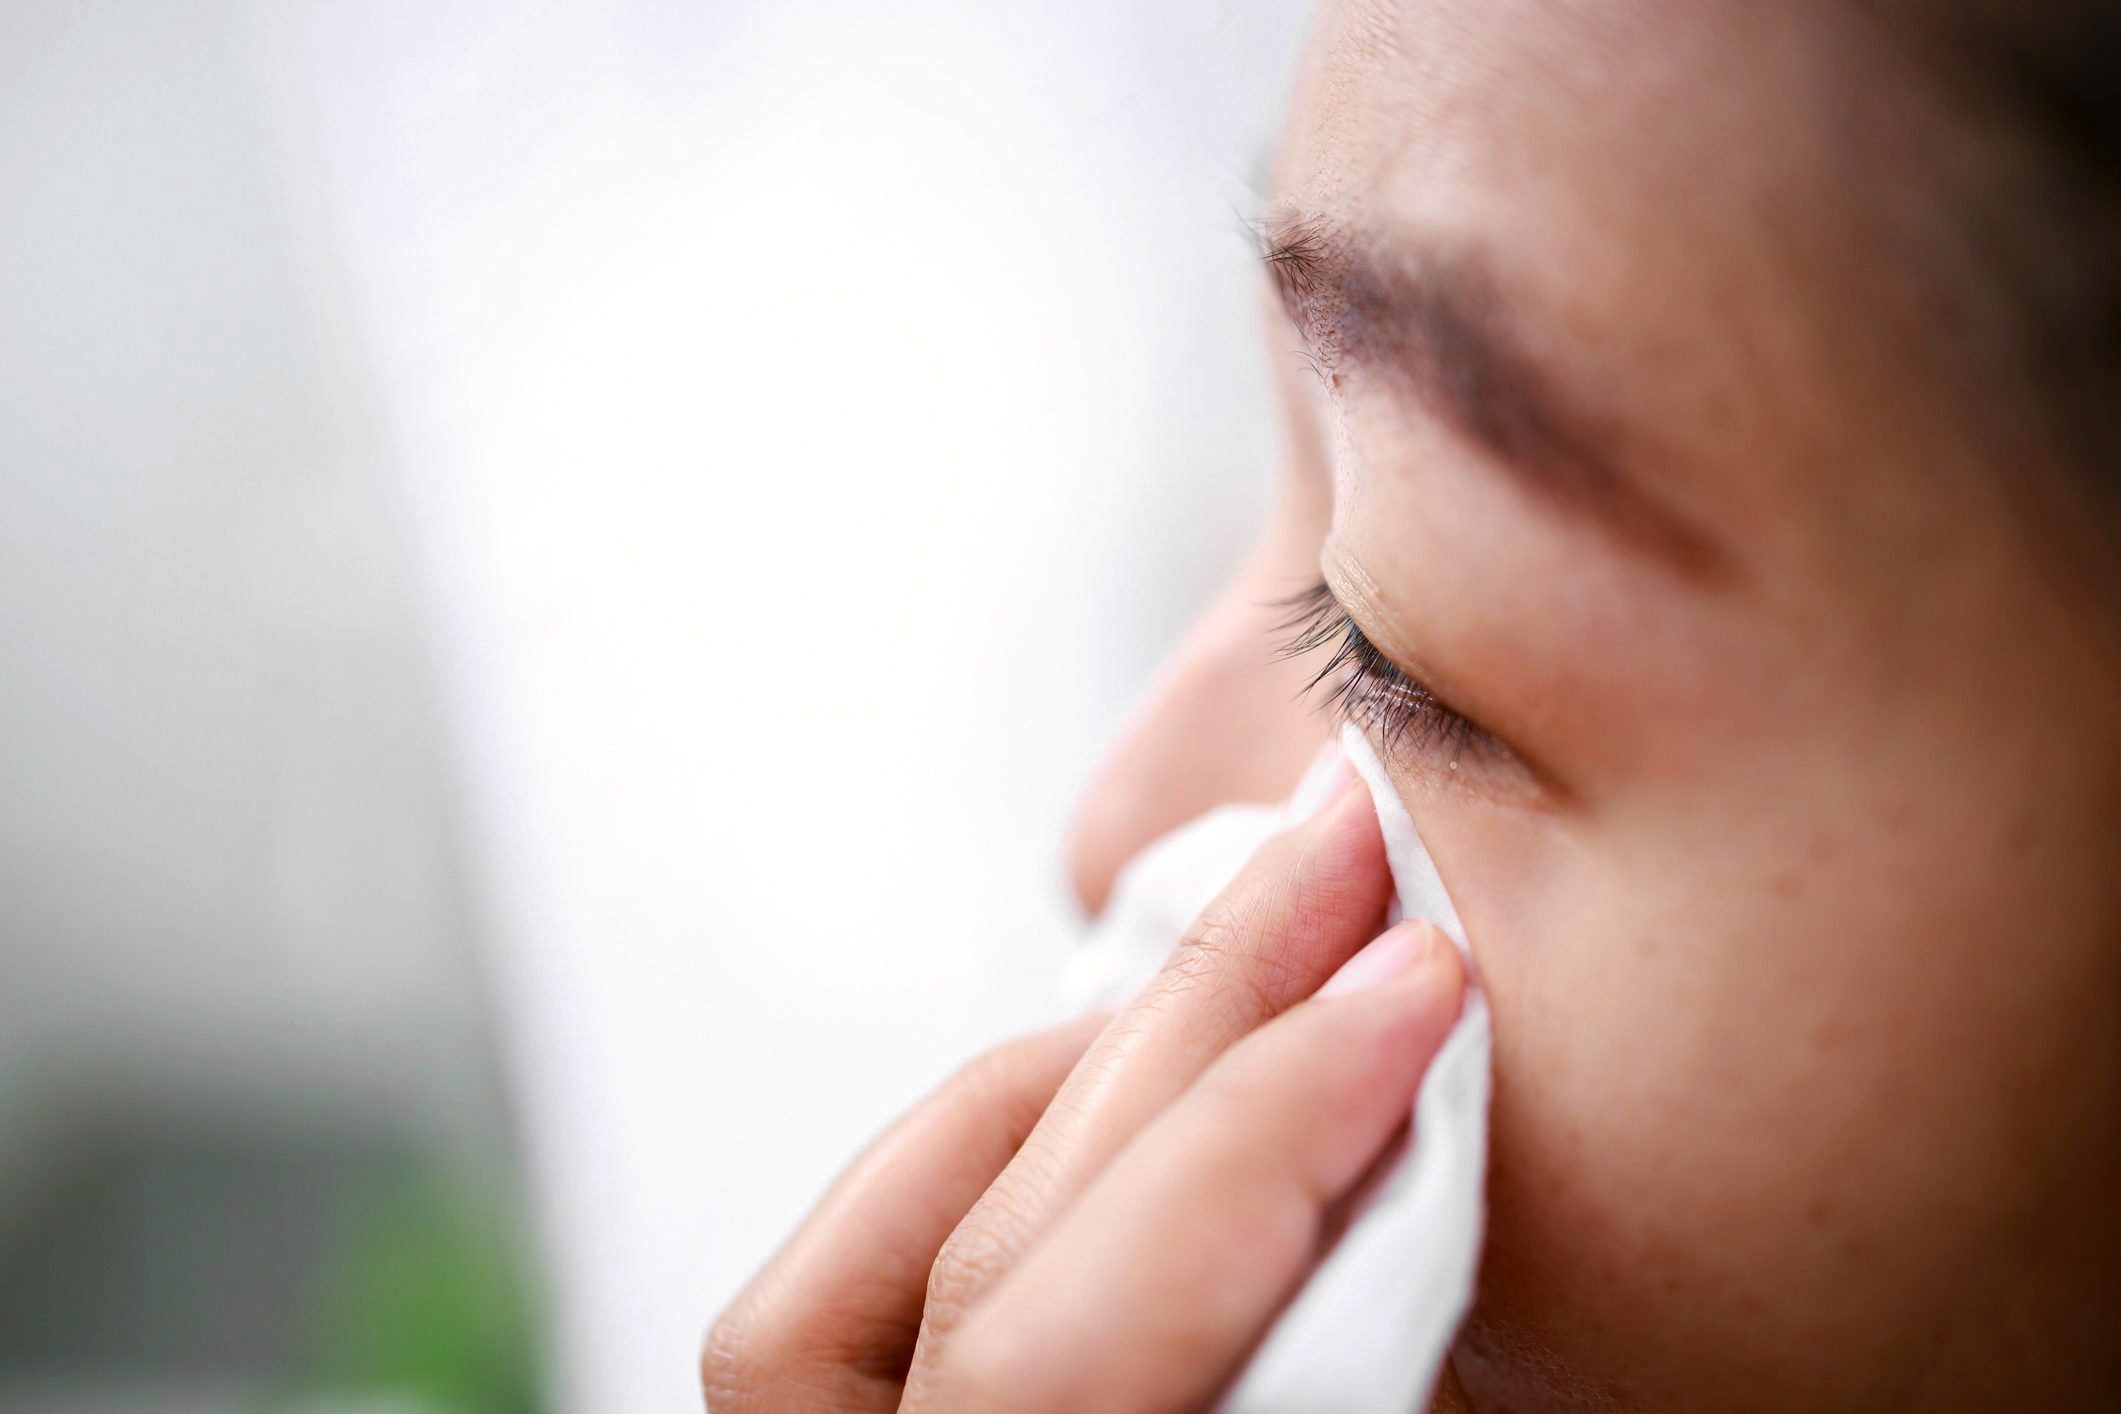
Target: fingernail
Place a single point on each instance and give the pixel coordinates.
(1393, 953)
(1323, 781)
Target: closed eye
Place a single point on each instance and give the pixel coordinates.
(1358, 683)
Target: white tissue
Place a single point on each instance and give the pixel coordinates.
(1368, 1333)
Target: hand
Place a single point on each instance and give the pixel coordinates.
(1109, 1215)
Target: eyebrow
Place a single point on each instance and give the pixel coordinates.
(1436, 330)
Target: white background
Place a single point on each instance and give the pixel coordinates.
(633, 519)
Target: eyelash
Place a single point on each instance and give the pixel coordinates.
(1363, 686)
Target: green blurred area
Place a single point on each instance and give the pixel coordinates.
(427, 1300)
(267, 1268)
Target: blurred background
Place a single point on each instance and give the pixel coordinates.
(560, 566)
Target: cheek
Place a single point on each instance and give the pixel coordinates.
(1634, 1183)
(1729, 1115)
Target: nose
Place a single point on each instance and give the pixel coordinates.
(1223, 722)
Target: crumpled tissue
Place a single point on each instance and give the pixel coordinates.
(1369, 1331)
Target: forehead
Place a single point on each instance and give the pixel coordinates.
(1439, 100)
(1668, 196)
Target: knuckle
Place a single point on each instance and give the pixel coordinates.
(1216, 943)
(1221, 960)
(735, 1368)
(974, 1256)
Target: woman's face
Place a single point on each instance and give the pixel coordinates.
(1782, 810)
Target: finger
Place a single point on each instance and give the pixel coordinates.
(1157, 1283)
(831, 1321)
(1305, 902)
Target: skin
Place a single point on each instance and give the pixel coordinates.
(1801, 934)
(1030, 1214)
(1786, 861)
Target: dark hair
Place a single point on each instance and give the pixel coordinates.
(2064, 86)
(2042, 221)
